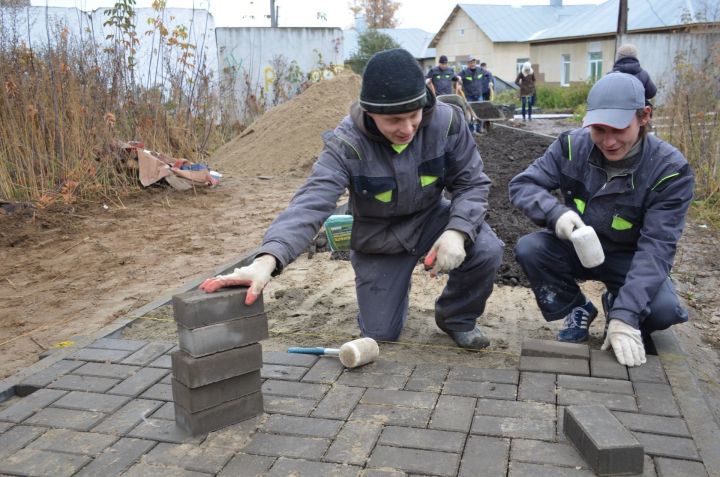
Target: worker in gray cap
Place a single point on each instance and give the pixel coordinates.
(634, 190)
(396, 153)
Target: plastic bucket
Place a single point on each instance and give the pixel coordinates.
(338, 229)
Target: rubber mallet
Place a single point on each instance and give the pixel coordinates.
(352, 354)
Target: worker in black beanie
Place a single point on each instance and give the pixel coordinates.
(396, 152)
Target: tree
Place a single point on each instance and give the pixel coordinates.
(378, 13)
(369, 43)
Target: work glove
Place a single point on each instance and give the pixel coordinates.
(626, 342)
(256, 276)
(447, 253)
(566, 223)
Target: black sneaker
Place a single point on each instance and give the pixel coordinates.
(473, 339)
(577, 323)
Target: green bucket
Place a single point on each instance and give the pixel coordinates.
(338, 229)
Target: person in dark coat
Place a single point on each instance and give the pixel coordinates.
(626, 61)
(442, 78)
(526, 80)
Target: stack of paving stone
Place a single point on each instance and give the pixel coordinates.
(216, 371)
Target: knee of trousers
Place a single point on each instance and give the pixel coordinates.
(527, 248)
(383, 334)
(487, 253)
(665, 311)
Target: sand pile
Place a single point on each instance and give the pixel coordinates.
(287, 138)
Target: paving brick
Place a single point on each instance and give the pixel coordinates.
(671, 426)
(415, 460)
(101, 355)
(453, 413)
(391, 415)
(354, 442)
(381, 473)
(147, 354)
(559, 431)
(480, 389)
(73, 382)
(287, 446)
(679, 468)
(539, 387)
(427, 378)
(196, 372)
(601, 439)
(235, 436)
(17, 438)
(325, 370)
(602, 385)
(484, 457)
(368, 380)
(554, 349)
(106, 370)
(42, 463)
(523, 469)
(339, 402)
(530, 410)
(166, 411)
(127, 417)
(578, 367)
(650, 372)
(196, 308)
(114, 343)
(302, 426)
(161, 392)
(65, 440)
(668, 446)
(428, 439)
(201, 459)
(277, 371)
(220, 416)
(383, 366)
(390, 397)
(147, 470)
(139, 381)
(205, 397)
(656, 398)
(163, 431)
(284, 467)
(223, 336)
(301, 390)
(25, 407)
(91, 402)
(247, 464)
(116, 458)
(46, 376)
(66, 418)
(289, 405)
(163, 361)
(604, 364)
(550, 453)
(464, 373)
(289, 359)
(167, 379)
(616, 402)
(513, 427)
(4, 426)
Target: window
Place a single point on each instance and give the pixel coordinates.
(565, 70)
(518, 64)
(595, 66)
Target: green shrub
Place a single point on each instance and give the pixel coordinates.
(562, 98)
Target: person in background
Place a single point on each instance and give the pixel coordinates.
(626, 61)
(488, 83)
(471, 77)
(442, 78)
(526, 80)
(395, 153)
(634, 190)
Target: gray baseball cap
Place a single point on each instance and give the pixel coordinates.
(613, 101)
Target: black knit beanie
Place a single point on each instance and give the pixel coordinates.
(392, 83)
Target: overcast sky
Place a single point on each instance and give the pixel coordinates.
(424, 14)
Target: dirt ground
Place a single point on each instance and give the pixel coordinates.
(69, 271)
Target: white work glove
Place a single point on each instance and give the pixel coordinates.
(626, 342)
(447, 253)
(566, 223)
(256, 276)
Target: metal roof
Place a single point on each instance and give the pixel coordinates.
(413, 40)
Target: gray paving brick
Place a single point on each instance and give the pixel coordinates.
(616, 402)
(91, 402)
(650, 372)
(42, 463)
(223, 336)
(392, 415)
(539, 387)
(115, 459)
(66, 418)
(427, 378)
(656, 398)
(530, 410)
(214, 394)
(301, 390)
(147, 470)
(415, 460)
(65, 440)
(671, 426)
(164, 361)
(142, 379)
(166, 411)
(554, 349)
(25, 407)
(196, 372)
(296, 467)
(201, 459)
(101, 355)
(325, 370)
(167, 379)
(480, 389)
(523, 469)
(278, 371)
(513, 427)
(147, 354)
(383, 366)
(603, 364)
(73, 382)
(503, 376)
(161, 392)
(603, 442)
(4, 426)
(668, 446)
(289, 359)
(196, 308)
(354, 442)
(579, 367)
(551, 453)
(428, 439)
(289, 405)
(390, 397)
(601, 385)
(220, 416)
(453, 413)
(679, 468)
(368, 380)
(287, 446)
(302, 426)
(247, 464)
(559, 431)
(381, 473)
(163, 431)
(484, 457)
(17, 438)
(127, 417)
(106, 370)
(42, 378)
(234, 437)
(339, 402)
(114, 343)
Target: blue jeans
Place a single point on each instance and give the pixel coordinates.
(529, 101)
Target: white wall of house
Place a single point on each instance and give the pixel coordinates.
(549, 58)
(504, 63)
(463, 39)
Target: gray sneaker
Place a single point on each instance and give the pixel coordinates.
(473, 339)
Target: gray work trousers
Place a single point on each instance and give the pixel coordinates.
(383, 282)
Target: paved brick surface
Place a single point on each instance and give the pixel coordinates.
(17, 438)
(105, 370)
(537, 387)
(64, 440)
(303, 426)
(415, 460)
(287, 446)
(339, 402)
(66, 418)
(73, 382)
(325, 370)
(48, 375)
(656, 398)
(115, 459)
(43, 463)
(354, 442)
(139, 381)
(127, 417)
(26, 407)
(604, 365)
(201, 459)
(284, 467)
(484, 457)
(91, 401)
(555, 365)
(551, 453)
(453, 413)
(247, 464)
(616, 402)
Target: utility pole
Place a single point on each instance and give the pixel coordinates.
(621, 24)
(273, 15)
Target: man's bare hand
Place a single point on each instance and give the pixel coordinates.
(256, 276)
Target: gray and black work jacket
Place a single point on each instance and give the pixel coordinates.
(472, 81)
(442, 79)
(641, 213)
(391, 194)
